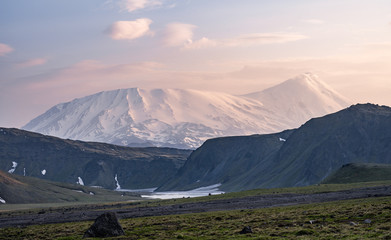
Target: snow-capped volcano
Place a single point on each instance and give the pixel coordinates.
(186, 118)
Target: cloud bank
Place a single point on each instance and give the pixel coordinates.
(129, 30)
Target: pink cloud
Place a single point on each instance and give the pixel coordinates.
(32, 63)
(202, 43)
(178, 34)
(313, 21)
(129, 30)
(4, 49)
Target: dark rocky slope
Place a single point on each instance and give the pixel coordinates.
(96, 164)
(358, 134)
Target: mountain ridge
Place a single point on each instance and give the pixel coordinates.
(304, 156)
(91, 163)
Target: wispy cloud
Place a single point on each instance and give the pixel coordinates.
(4, 49)
(178, 34)
(181, 35)
(129, 30)
(246, 40)
(262, 38)
(133, 5)
(313, 21)
(32, 63)
(202, 43)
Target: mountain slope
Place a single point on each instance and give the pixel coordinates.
(184, 118)
(358, 134)
(301, 98)
(93, 164)
(227, 160)
(18, 189)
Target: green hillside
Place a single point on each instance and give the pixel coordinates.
(360, 172)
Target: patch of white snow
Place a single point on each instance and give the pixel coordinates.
(24, 171)
(91, 193)
(80, 181)
(14, 165)
(2, 200)
(282, 140)
(43, 172)
(117, 183)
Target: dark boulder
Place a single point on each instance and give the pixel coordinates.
(246, 230)
(106, 225)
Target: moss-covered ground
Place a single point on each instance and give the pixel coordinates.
(368, 218)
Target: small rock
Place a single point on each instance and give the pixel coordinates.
(353, 224)
(246, 230)
(106, 225)
(368, 221)
(312, 221)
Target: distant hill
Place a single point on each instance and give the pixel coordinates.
(184, 118)
(19, 189)
(300, 157)
(360, 172)
(89, 163)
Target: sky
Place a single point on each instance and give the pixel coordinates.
(55, 51)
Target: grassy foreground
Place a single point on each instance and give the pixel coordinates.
(333, 220)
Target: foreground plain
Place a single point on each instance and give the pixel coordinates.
(367, 216)
(333, 220)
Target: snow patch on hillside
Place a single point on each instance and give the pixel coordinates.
(14, 165)
(80, 181)
(117, 183)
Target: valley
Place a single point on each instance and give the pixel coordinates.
(195, 119)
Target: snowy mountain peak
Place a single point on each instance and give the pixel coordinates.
(301, 98)
(186, 118)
